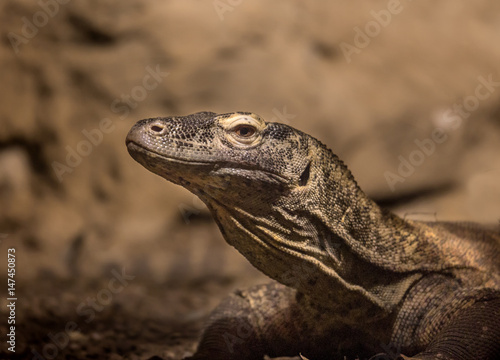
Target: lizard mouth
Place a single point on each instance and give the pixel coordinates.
(135, 149)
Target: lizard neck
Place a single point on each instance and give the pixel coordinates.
(367, 244)
(374, 234)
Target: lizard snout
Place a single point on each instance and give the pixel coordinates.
(146, 128)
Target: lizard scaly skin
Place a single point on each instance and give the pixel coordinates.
(352, 279)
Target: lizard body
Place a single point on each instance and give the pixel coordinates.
(352, 279)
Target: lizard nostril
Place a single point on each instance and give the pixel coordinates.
(156, 128)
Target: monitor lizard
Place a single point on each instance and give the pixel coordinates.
(351, 279)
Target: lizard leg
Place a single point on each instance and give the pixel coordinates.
(231, 332)
(235, 327)
(473, 333)
(263, 320)
(275, 320)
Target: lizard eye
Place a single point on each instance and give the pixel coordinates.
(245, 131)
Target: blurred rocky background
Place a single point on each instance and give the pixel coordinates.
(407, 93)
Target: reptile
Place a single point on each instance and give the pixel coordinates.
(351, 279)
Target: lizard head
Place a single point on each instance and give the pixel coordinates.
(232, 157)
